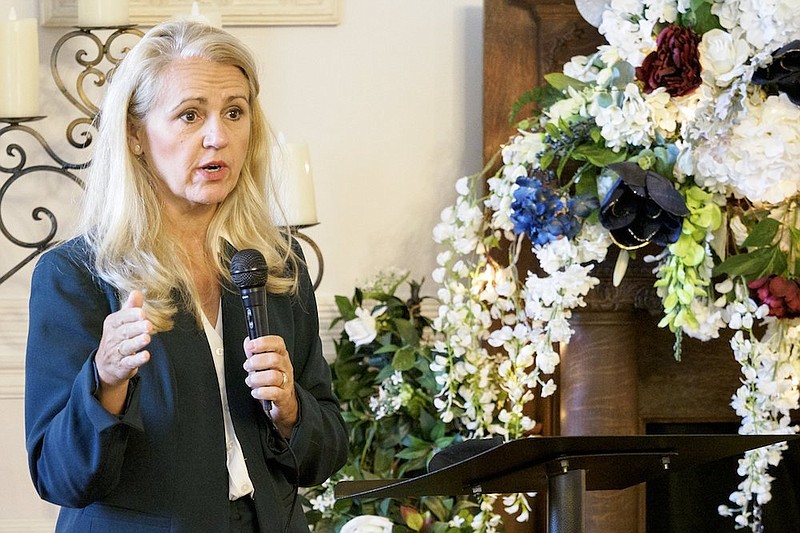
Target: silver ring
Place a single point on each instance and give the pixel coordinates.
(119, 351)
(284, 379)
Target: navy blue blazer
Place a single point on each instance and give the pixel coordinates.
(161, 466)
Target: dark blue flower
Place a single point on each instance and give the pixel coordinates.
(642, 207)
(541, 214)
(783, 74)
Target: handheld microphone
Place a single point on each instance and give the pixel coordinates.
(249, 272)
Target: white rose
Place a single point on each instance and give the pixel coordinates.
(361, 330)
(368, 523)
(722, 57)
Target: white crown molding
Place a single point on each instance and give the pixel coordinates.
(60, 13)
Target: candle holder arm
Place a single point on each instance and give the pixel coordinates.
(295, 231)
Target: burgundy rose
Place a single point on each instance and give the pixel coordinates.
(780, 294)
(674, 65)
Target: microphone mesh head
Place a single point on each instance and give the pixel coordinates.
(249, 269)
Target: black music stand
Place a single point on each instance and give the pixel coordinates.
(563, 468)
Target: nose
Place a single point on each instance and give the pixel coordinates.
(215, 133)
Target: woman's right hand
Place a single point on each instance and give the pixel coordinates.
(126, 334)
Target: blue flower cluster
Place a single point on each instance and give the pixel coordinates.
(542, 215)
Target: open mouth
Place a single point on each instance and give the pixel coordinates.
(212, 168)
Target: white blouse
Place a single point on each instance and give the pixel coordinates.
(239, 483)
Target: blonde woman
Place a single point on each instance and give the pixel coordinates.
(144, 398)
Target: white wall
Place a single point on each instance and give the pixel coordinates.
(389, 102)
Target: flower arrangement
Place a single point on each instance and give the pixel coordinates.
(383, 378)
(682, 133)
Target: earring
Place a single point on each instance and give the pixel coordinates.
(137, 149)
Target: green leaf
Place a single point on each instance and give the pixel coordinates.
(598, 155)
(404, 359)
(762, 234)
(414, 520)
(778, 264)
(346, 307)
(539, 97)
(427, 423)
(407, 331)
(546, 159)
(412, 453)
(383, 460)
(587, 184)
(437, 507)
(746, 265)
(704, 20)
(561, 82)
(384, 373)
(563, 162)
(386, 348)
(552, 130)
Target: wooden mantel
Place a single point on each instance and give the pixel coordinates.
(618, 374)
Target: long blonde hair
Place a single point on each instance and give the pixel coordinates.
(121, 217)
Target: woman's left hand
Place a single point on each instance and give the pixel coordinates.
(270, 376)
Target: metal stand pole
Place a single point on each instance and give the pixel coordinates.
(566, 497)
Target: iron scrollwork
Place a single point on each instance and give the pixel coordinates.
(18, 163)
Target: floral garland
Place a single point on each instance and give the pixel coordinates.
(382, 377)
(683, 133)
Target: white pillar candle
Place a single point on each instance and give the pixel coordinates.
(210, 14)
(291, 167)
(102, 13)
(19, 67)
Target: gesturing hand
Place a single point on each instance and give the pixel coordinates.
(126, 334)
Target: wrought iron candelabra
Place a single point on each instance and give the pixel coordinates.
(97, 68)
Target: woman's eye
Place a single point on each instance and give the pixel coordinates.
(189, 116)
(234, 113)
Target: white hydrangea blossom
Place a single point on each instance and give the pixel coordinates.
(764, 25)
(628, 26)
(635, 118)
(760, 158)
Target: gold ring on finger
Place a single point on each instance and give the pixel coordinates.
(283, 383)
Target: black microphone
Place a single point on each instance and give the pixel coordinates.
(249, 272)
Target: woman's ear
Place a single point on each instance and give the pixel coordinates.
(134, 140)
